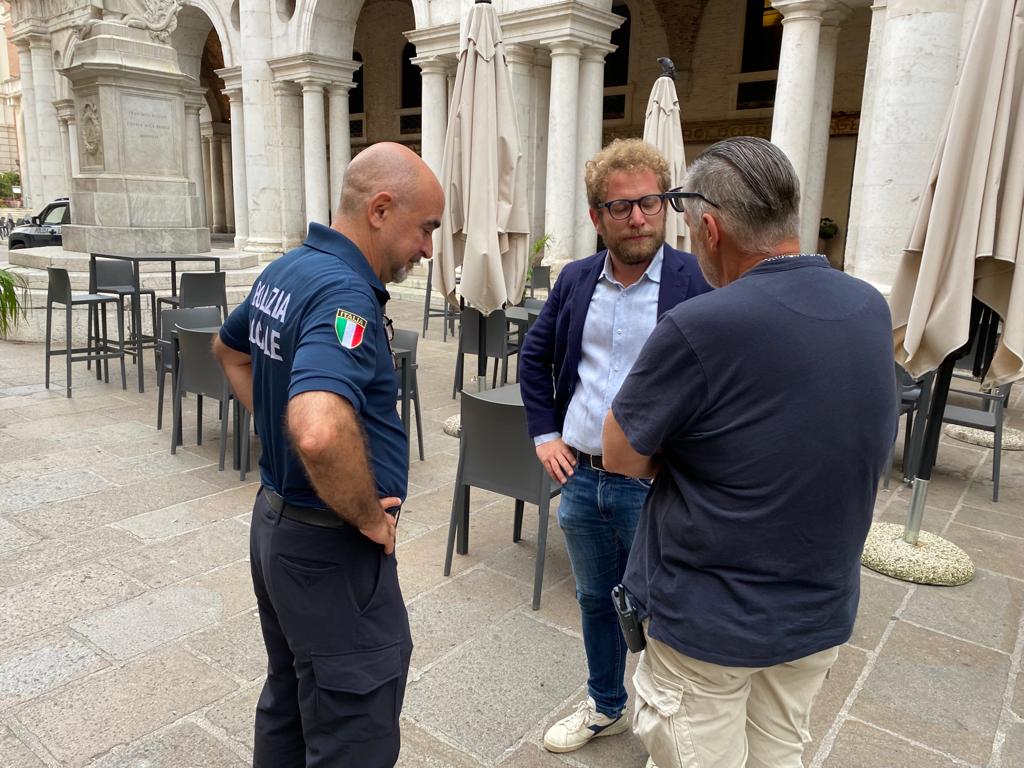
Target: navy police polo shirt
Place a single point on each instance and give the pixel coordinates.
(314, 321)
(772, 403)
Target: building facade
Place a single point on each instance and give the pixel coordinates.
(239, 118)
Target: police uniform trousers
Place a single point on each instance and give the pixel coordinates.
(338, 645)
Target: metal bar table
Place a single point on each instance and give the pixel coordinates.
(136, 260)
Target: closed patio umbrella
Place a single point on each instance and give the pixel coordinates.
(964, 251)
(663, 130)
(485, 227)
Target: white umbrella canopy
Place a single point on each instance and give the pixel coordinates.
(967, 238)
(664, 130)
(485, 226)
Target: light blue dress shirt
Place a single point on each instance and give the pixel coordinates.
(619, 320)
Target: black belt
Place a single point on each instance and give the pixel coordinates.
(325, 518)
(589, 460)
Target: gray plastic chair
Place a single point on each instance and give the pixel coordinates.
(496, 454)
(410, 340)
(540, 278)
(498, 346)
(200, 289)
(117, 277)
(201, 374)
(97, 347)
(987, 417)
(195, 317)
(446, 313)
(914, 398)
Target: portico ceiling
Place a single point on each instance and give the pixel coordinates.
(681, 20)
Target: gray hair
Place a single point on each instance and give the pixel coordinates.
(756, 188)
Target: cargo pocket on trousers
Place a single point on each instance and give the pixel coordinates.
(357, 692)
(657, 719)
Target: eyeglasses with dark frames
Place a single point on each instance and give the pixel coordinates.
(650, 205)
(676, 197)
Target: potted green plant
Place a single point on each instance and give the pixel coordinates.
(827, 229)
(536, 254)
(13, 297)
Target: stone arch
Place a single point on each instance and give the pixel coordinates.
(225, 31)
(328, 26)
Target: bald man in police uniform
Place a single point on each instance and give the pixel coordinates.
(308, 353)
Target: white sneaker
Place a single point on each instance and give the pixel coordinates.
(586, 723)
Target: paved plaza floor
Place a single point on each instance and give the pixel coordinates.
(129, 637)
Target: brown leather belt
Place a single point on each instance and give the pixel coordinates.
(319, 516)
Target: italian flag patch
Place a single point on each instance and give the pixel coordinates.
(350, 329)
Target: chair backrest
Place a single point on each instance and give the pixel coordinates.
(406, 340)
(112, 273)
(204, 289)
(496, 451)
(196, 317)
(58, 287)
(198, 370)
(531, 303)
(540, 277)
(495, 332)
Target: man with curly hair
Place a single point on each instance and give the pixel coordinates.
(598, 316)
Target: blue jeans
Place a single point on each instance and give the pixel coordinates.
(598, 514)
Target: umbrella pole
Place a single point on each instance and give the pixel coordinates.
(908, 553)
(481, 357)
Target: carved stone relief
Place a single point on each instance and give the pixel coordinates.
(91, 134)
(159, 17)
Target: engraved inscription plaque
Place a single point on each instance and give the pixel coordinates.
(149, 135)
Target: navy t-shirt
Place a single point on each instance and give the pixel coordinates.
(772, 401)
(314, 322)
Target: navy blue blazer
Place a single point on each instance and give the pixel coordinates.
(550, 357)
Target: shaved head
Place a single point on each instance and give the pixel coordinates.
(391, 202)
(383, 167)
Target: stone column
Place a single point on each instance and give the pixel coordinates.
(51, 165)
(31, 183)
(19, 129)
(196, 157)
(590, 118)
(794, 94)
(207, 184)
(537, 171)
(519, 57)
(917, 69)
(240, 195)
(314, 153)
(559, 197)
(824, 84)
(434, 74)
(288, 99)
(262, 158)
(66, 115)
(340, 138)
(216, 183)
(229, 193)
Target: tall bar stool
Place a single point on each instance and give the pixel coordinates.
(114, 276)
(97, 347)
(447, 313)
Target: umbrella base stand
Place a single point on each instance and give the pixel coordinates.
(933, 560)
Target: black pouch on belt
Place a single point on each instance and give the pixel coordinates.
(632, 629)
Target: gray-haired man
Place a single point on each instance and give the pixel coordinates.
(765, 410)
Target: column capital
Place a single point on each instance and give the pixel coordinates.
(234, 95)
(312, 84)
(232, 77)
(802, 10)
(195, 100)
(564, 46)
(285, 88)
(31, 37)
(835, 16)
(307, 66)
(596, 53)
(519, 53)
(436, 65)
(65, 110)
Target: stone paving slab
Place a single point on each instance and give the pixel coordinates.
(129, 637)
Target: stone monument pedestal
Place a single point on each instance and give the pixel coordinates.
(132, 193)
